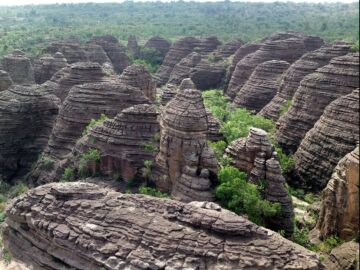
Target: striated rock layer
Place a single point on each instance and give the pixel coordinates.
(282, 48)
(5, 80)
(27, 115)
(335, 134)
(182, 69)
(261, 86)
(158, 44)
(46, 67)
(339, 213)
(255, 156)
(19, 67)
(207, 75)
(316, 91)
(133, 46)
(228, 49)
(185, 165)
(84, 226)
(121, 141)
(307, 64)
(137, 76)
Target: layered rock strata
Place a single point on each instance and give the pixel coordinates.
(169, 92)
(70, 48)
(255, 156)
(339, 213)
(183, 69)
(137, 76)
(208, 75)
(158, 44)
(47, 66)
(27, 115)
(64, 225)
(261, 86)
(19, 67)
(335, 134)
(133, 46)
(289, 50)
(185, 165)
(307, 64)
(5, 80)
(122, 141)
(228, 49)
(214, 126)
(317, 90)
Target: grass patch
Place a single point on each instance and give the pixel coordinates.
(153, 192)
(94, 122)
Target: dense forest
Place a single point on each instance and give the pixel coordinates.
(29, 27)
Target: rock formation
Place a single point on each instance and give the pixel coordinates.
(345, 256)
(47, 66)
(83, 226)
(316, 91)
(114, 50)
(307, 64)
(287, 49)
(208, 75)
(185, 164)
(183, 69)
(27, 115)
(207, 45)
(255, 156)
(214, 127)
(121, 141)
(95, 53)
(5, 80)
(76, 74)
(169, 92)
(262, 85)
(335, 134)
(228, 49)
(158, 44)
(19, 67)
(137, 76)
(187, 84)
(339, 213)
(133, 46)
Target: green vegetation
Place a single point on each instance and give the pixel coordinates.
(92, 156)
(236, 194)
(285, 107)
(152, 192)
(152, 145)
(148, 57)
(301, 237)
(47, 162)
(68, 175)
(6, 256)
(300, 194)
(94, 122)
(31, 27)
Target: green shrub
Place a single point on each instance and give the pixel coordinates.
(311, 198)
(355, 46)
(152, 192)
(4, 186)
(285, 107)
(146, 170)
(236, 194)
(91, 155)
(94, 122)
(150, 147)
(48, 162)
(132, 183)
(68, 175)
(217, 103)
(2, 217)
(152, 68)
(329, 244)
(6, 256)
(298, 193)
(301, 237)
(287, 163)
(18, 189)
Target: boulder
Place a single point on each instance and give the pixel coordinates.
(47, 66)
(262, 85)
(121, 141)
(137, 76)
(158, 44)
(287, 49)
(83, 226)
(339, 214)
(345, 256)
(185, 165)
(5, 80)
(27, 115)
(317, 90)
(255, 156)
(307, 64)
(19, 67)
(334, 135)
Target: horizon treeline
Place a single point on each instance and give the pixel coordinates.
(32, 27)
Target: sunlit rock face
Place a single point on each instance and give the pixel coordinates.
(185, 165)
(317, 90)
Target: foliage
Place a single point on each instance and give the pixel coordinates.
(329, 243)
(148, 65)
(132, 183)
(236, 194)
(4, 186)
(219, 148)
(91, 156)
(285, 107)
(146, 170)
(301, 237)
(296, 192)
(217, 103)
(68, 175)
(2, 217)
(148, 57)
(287, 163)
(355, 46)
(47, 162)
(94, 122)
(6, 256)
(18, 189)
(32, 27)
(149, 147)
(152, 192)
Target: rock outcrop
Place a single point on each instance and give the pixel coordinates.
(283, 48)
(169, 92)
(183, 69)
(185, 165)
(187, 84)
(307, 64)
(27, 115)
(316, 91)
(70, 48)
(228, 49)
(339, 213)
(333, 136)
(158, 44)
(207, 75)
(121, 142)
(345, 256)
(19, 67)
(262, 85)
(137, 76)
(133, 46)
(95, 53)
(5, 80)
(214, 126)
(47, 66)
(255, 156)
(83, 226)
